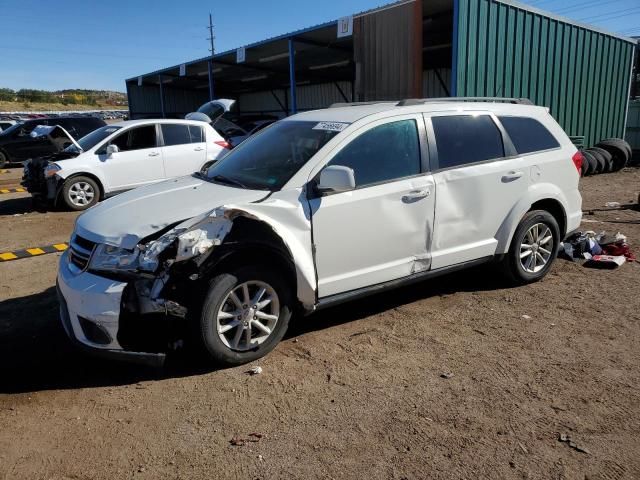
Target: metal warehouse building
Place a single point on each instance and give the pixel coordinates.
(414, 49)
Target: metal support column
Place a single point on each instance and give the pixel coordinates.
(210, 66)
(292, 77)
(161, 96)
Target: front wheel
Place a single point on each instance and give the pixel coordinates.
(245, 314)
(533, 248)
(4, 159)
(80, 193)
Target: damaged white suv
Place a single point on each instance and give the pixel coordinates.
(317, 209)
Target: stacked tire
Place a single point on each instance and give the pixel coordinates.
(610, 155)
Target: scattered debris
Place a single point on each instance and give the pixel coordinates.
(446, 375)
(255, 371)
(563, 437)
(242, 441)
(612, 204)
(526, 317)
(591, 246)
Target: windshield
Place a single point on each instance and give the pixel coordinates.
(12, 128)
(267, 160)
(91, 140)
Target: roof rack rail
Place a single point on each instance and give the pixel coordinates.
(419, 101)
(359, 104)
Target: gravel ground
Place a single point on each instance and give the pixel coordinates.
(354, 392)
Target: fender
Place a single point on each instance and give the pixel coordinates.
(83, 169)
(535, 193)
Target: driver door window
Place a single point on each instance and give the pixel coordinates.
(136, 139)
(384, 153)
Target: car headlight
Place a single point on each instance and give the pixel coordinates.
(107, 257)
(51, 169)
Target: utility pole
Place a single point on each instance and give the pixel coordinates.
(210, 62)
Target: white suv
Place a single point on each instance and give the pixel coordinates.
(317, 209)
(126, 155)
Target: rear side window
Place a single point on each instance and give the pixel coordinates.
(464, 139)
(175, 134)
(136, 138)
(528, 135)
(196, 133)
(384, 153)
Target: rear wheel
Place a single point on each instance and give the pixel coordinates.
(533, 248)
(80, 193)
(245, 314)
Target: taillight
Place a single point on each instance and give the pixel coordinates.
(578, 158)
(223, 144)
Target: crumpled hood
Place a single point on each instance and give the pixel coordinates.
(127, 218)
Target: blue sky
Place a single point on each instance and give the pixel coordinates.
(90, 44)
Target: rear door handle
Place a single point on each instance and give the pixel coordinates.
(154, 154)
(415, 195)
(198, 149)
(511, 176)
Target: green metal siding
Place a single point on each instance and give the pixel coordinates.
(582, 75)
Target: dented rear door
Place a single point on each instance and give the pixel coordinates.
(478, 179)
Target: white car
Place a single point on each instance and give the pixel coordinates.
(318, 209)
(123, 156)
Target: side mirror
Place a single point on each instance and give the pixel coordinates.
(112, 149)
(336, 179)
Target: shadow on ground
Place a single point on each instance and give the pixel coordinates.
(36, 355)
(19, 206)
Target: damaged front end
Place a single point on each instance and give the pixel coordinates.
(162, 275)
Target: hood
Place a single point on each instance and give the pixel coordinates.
(127, 218)
(56, 135)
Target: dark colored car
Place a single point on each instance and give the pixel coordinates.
(17, 144)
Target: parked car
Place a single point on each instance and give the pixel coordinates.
(17, 144)
(122, 156)
(320, 208)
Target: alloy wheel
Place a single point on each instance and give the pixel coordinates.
(81, 194)
(248, 315)
(536, 248)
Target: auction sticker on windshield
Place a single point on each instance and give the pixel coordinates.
(331, 126)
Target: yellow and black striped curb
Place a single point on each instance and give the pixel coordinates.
(13, 190)
(33, 252)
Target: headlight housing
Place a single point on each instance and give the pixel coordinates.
(107, 257)
(51, 169)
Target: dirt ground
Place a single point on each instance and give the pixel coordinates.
(352, 392)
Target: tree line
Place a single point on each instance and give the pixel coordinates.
(66, 97)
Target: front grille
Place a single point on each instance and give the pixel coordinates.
(80, 252)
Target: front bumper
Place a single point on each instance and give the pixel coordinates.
(90, 313)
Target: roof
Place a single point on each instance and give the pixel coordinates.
(351, 114)
(129, 123)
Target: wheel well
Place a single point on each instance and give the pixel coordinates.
(252, 242)
(556, 210)
(88, 175)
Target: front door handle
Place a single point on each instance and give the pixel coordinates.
(154, 154)
(511, 176)
(198, 149)
(415, 195)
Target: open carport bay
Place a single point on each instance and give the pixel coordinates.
(352, 392)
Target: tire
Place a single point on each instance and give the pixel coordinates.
(619, 142)
(4, 159)
(220, 345)
(608, 161)
(590, 161)
(518, 270)
(599, 164)
(80, 193)
(585, 165)
(619, 152)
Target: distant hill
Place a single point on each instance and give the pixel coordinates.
(80, 97)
